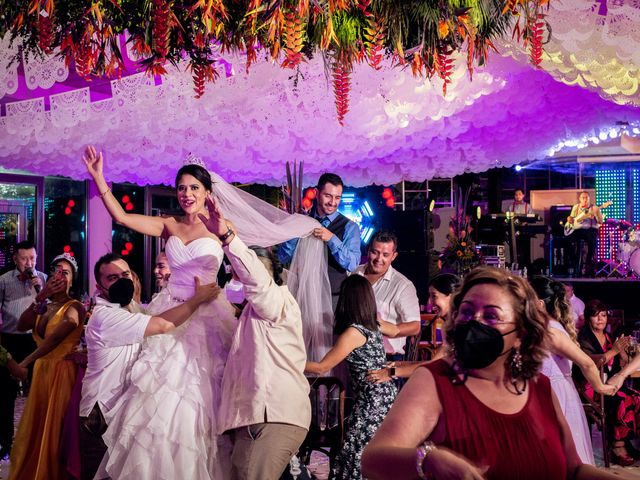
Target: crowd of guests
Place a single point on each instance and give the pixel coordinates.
(196, 386)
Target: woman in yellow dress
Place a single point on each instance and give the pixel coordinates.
(57, 321)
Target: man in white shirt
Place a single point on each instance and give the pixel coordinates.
(265, 395)
(577, 306)
(519, 206)
(396, 298)
(113, 334)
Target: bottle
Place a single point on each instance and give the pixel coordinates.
(323, 393)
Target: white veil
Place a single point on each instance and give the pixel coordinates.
(259, 223)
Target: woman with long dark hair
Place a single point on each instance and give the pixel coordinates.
(360, 342)
(165, 423)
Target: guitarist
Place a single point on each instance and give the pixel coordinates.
(585, 219)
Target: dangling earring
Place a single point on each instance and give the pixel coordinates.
(457, 370)
(515, 365)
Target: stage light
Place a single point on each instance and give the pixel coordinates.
(310, 193)
(518, 168)
(128, 207)
(387, 193)
(125, 199)
(391, 202)
(367, 233)
(478, 212)
(635, 190)
(610, 185)
(124, 252)
(307, 203)
(357, 209)
(67, 211)
(71, 203)
(66, 248)
(128, 246)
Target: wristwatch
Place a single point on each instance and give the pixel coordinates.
(392, 372)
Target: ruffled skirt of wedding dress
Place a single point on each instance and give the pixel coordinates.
(164, 425)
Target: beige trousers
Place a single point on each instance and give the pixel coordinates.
(263, 450)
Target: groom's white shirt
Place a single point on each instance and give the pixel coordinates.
(114, 336)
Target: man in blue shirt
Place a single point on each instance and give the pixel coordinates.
(341, 235)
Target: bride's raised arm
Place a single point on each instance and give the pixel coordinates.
(144, 224)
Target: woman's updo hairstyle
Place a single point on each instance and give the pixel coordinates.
(199, 173)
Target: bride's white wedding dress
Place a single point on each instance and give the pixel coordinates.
(164, 425)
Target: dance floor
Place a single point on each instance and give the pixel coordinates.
(319, 465)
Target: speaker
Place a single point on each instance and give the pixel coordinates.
(557, 217)
(414, 229)
(416, 267)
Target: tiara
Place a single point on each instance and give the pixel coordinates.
(194, 160)
(68, 258)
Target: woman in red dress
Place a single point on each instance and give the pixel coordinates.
(483, 412)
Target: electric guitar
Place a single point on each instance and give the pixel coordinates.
(569, 228)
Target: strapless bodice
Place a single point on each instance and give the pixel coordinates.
(199, 258)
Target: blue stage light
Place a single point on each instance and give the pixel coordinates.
(354, 207)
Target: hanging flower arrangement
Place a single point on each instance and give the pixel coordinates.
(419, 34)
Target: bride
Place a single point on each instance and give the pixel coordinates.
(164, 425)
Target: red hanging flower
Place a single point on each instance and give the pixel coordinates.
(45, 33)
(160, 29)
(203, 72)
(294, 29)
(537, 32)
(341, 86)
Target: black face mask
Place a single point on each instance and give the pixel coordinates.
(121, 291)
(477, 345)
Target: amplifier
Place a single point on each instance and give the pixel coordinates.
(493, 255)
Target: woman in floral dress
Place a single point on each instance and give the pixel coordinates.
(360, 342)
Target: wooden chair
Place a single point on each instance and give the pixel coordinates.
(428, 344)
(326, 431)
(596, 415)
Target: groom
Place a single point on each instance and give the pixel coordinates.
(265, 395)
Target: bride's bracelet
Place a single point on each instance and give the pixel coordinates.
(422, 453)
(224, 237)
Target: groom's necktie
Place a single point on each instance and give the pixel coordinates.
(325, 221)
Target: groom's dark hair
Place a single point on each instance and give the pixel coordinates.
(331, 178)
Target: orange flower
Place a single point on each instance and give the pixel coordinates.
(459, 253)
(464, 244)
(443, 29)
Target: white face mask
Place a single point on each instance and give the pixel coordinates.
(234, 290)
